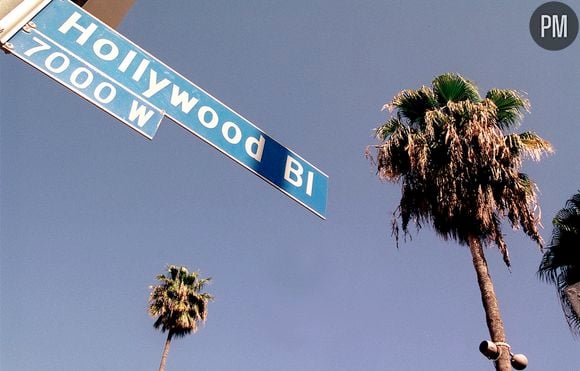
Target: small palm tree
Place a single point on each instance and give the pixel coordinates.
(561, 262)
(178, 304)
(460, 171)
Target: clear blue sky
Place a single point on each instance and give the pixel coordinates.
(91, 212)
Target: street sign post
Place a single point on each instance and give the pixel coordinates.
(146, 87)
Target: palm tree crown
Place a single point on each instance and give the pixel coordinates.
(561, 262)
(177, 302)
(458, 164)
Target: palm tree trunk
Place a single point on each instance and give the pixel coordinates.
(572, 293)
(165, 351)
(490, 305)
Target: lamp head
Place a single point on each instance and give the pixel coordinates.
(489, 349)
(519, 361)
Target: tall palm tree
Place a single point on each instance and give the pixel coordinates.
(460, 171)
(178, 304)
(561, 262)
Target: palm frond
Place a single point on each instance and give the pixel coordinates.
(388, 128)
(414, 104)
(534, 146)
(452, 87)
(528, 144)
(510, 104)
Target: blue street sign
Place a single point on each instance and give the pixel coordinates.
(123, 62)
(87, 81)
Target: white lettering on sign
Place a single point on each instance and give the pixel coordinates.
(203, 116)
(293, 174)
(108, 51)
(81, 82)
(82, 78)
(140, 70)
(104, 44)
(159, 84)
(255, 147)
(71, 22)
(140, 113)
(106, 97)
(154, 85)
(229, 127)
(127, 61)
(50, 64)
(182, 98)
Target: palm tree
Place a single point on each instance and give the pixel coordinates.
(561, 262)
(178, 304)
(460, 171)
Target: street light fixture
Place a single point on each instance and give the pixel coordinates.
(493, 351)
